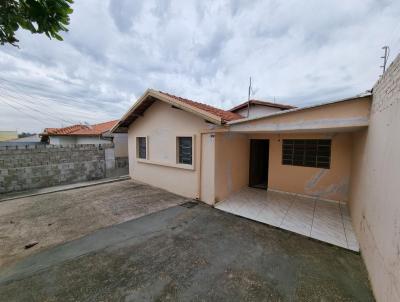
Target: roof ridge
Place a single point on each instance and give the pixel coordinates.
(264, 103)
(225, 115)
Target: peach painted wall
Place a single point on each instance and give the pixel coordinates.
(162, 124)
(330, 183)
(231, 164)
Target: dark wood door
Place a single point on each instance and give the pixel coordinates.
(259, 156)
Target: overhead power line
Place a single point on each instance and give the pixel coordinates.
(19, 110)
(40, 111)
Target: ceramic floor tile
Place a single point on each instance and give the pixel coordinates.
(319, 219)
(299, 217)
(332, 233)
(297, 225)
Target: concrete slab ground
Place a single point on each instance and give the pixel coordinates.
(42, 191)
(54, 218)
(189, 254)
(327, 221)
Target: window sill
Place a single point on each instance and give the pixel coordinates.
(165, 164)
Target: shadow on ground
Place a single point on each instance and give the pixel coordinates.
(189, 254)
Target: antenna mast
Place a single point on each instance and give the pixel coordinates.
(385, 58)
(248, 99)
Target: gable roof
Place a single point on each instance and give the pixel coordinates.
(209, 113)
(262, 103)
(80, 130)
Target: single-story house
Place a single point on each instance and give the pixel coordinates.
(87, 134)
(344, 152)
(212, 153)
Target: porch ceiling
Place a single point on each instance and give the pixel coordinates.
(322, 126)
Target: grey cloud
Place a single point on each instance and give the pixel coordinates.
(297, 52)
(124, 12)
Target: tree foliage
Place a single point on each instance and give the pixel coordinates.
(38, 16)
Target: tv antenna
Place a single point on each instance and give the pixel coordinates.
(385, 58)
(248, 98)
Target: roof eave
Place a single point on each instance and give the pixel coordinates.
(150, 92)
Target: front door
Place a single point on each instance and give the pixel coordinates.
(259, 155)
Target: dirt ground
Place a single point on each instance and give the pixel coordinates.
(189, 253)
(58, 217)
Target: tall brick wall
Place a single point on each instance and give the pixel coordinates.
(375, 190)
(30, 167)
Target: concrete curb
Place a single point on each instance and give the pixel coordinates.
(65, 188)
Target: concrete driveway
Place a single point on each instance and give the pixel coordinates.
(189, 253)
(59, 217)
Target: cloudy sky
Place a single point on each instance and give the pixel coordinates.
(298, 52)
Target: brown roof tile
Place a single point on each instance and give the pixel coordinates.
(226, 116)
(84, 130)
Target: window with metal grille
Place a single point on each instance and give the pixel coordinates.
(141, 144)
(307, 152)
(184, 150)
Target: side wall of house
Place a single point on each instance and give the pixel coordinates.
(232, 164)
(374, 199)
(330, 183)
(95, 140)
(257, 110)
(162, 124)
(62, 140)
(121, 144)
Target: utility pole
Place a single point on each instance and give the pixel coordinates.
(248, 100)
(385, 57)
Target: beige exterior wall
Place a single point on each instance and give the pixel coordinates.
(162, 124)
(374, 199)
(232, 164)
(208, 168)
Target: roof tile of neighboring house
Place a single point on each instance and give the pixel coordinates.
(262, 103)
(226, 116)
(84, 130)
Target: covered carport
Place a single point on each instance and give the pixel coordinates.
(292, 169)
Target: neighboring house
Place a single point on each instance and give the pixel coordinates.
(255, 108)
(87, 134)
(345, 150)
(8, 135)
